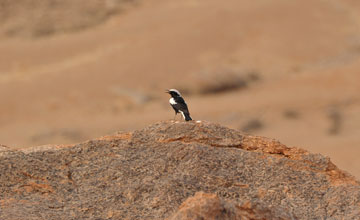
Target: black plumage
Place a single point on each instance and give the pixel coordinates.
(178, 104)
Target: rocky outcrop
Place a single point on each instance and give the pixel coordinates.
(211, 207)
(194, 170)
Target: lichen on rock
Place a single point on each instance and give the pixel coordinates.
(149, 173)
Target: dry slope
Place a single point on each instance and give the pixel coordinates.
(148, 173)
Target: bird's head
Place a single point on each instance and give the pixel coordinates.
(173, 92)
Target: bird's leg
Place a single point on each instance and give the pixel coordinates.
(175, 116)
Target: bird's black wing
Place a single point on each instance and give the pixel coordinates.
(181, 105)
(175, 109)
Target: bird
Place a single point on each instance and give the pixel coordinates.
(178, 104)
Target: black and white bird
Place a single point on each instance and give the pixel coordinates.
(179, 104)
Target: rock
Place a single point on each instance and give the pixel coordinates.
(148, 174)
(211, 207)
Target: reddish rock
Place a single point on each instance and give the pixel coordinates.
(212, 207)
(148, 174)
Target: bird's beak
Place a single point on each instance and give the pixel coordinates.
(167, 91)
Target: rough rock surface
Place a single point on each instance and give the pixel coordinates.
(148, 174)
(211, 207)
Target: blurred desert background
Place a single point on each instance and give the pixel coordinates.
(73, 70)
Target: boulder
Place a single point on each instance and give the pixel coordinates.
(174, 170)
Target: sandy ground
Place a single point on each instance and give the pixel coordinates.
(305, 55)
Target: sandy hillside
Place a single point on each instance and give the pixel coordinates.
(282, 69)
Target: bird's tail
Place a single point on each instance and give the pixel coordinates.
(187, 117)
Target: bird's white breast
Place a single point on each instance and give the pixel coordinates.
(172, 101)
